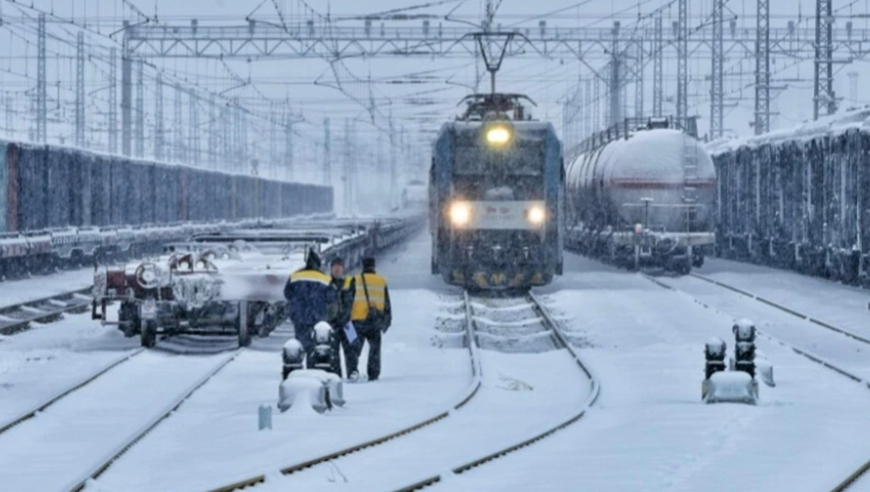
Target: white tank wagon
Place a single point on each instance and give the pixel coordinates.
(643, 198)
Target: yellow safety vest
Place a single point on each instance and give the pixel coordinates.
(377, 286)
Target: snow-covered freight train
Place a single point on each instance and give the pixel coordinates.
(66, 207)
(799, 198)
(642, 194)
(496, 197)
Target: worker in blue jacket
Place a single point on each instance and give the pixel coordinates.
(308, 293)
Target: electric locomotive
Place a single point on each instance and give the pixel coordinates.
(496, 197)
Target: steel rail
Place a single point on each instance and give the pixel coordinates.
(594, 393)
(45, 309)
(473, 388)
(863, 469)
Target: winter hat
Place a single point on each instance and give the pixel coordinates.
(313, 261)
(338, 260)
(368, 263)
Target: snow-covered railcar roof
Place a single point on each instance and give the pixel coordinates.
(856, 119)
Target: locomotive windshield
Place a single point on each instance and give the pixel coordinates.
(472, 156)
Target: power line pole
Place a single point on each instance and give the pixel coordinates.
(212, 134)
(288, 141)
(159, 130)
(80, 89)
(638, 81)
(658, 95)
(126, 94)
(193, 128)
(177, 126)
(615, 88)
(113, 101)
(587, 113)
(41, 95)
(140, 110)
(596, 107)
(682, 62)
(393, 162)
(327, 162)
(853, 87)
(717, 91)
(823, 69)
(762, 68)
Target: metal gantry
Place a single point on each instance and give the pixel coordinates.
(41, 90)
(717, 89)
(682, 36)
(824, 97)
(80, 90)
(762, 68)
(658, 48)
(159, 130)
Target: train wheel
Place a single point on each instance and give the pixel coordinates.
(149, 334)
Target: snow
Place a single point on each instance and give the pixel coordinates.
(650, 431)
(83, 429)
(216, 435)
(841, 305)
(821, 342)
(837, 124)
(41, 286)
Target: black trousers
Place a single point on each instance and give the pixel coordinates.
(372, 335)
(351, 352)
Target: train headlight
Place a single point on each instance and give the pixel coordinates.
(536, 215)
(460, 213)
(498, 135)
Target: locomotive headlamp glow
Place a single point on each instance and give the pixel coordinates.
(460, 213)
(498, 135)
(536, 214)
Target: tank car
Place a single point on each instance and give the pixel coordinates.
(643, 196)
(496, 194)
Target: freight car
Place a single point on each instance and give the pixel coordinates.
(641, 194)
(799, 198)
(65, 207)
(496, 194)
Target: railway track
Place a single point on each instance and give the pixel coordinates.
(480, 332)
(862, 472)
(53, 427)
(19, 317)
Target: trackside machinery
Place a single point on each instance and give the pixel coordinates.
(496, 197)
(642, 193)
(230, 283)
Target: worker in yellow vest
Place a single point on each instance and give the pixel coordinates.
(371, 316)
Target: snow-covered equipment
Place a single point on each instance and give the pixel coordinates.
(744, 330)
(730, 387)
(714, 355)
(323, 341)
(744, 347)
(293, 356)
(764, 370)
(230, 282)
(265, 417)
(314, 387)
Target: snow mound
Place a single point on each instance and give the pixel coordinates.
(730, 387)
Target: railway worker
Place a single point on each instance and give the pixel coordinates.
(308, 293)
(371, 316)
(339, 317)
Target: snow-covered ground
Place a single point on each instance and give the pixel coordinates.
(41, 286)
(841, 350)
(649, 430)
(215, 433)
(44, 361)
(841, 305)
